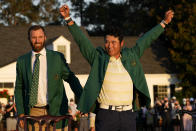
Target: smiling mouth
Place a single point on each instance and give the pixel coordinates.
(38, 44)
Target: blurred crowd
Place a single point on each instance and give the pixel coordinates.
(81, 122)
(164, 115)
(8, 115)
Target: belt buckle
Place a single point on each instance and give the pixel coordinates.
(41, 107)
(119, 108)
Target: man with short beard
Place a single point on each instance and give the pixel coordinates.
(39, 86)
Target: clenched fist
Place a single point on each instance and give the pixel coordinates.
(64, 10)
(168, 16)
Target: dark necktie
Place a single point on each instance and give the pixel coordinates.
(35, 81)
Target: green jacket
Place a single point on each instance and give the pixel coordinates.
(98, 59)
(57, 70)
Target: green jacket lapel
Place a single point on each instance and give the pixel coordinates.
(49, 63)
(29, 68)
(107, 58)
(49, 71)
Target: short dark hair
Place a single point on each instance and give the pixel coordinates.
(114, 31)
(35, 27)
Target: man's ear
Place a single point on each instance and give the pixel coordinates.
(122, 43)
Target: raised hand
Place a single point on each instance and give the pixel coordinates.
(64, 10)
(168, 16)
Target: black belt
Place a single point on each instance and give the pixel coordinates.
(41, 107)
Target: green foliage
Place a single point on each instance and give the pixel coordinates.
(100, 14)
(181, 40)
(4, 94)
(25, 12)
(78, 6)
(11, 8)
(181, 35)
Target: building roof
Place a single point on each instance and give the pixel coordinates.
(14, 43)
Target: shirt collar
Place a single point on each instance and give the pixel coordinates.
(112, 58)
(42, 52)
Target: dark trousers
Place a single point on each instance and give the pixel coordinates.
(109, 120)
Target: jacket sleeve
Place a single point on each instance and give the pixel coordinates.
(18, 92)
(146, 40)
(70, 77)
(86, 47)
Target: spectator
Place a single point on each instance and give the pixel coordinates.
(192, 102)
(150, 119)
(144, 114)
(166, 115)
(184, 101)
(158, 113)
(74, 112)
(2, 112)
(187, 119)
(172, 101)
(11, 116)
(175, 116)
(194, 105)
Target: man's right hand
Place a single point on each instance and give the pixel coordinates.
(64, 10)
(21, 123)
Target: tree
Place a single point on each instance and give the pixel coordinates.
(100, 14)
(78, 6)
(15, 12)
(25, 12)
(49, 12)
(180, 39)
(181, 35)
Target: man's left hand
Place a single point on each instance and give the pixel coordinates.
(168, 16)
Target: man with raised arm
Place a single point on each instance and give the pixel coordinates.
(116, 85)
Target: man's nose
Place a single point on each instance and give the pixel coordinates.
(37, 40)
(110, 44)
